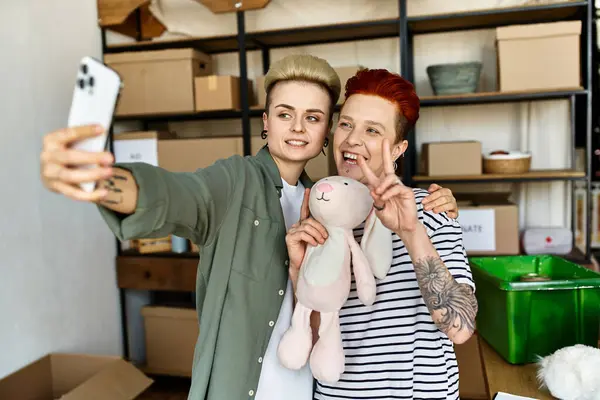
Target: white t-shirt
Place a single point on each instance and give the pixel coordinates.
(277, 382)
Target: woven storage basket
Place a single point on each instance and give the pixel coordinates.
(512, 163)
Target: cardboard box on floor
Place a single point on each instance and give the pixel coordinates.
(490, 223)
(539, 56)
(156, 82)
(177, 155)
(75, 377)
(451, 158)
(470, 369)
(171, 335)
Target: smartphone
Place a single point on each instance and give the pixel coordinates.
(95, 96)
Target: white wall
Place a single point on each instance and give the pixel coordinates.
(57, 275)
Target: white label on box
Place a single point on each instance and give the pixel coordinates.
(479, 229)
(136, 150)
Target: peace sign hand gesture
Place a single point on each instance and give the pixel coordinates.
(394, 203)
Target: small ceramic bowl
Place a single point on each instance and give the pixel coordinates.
(455, 78)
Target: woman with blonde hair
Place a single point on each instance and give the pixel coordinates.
(237, 211)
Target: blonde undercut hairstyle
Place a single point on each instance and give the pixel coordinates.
(306, 68)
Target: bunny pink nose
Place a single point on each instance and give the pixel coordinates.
(325, 187)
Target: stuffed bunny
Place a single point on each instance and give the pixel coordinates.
(340, 205)
(572, 373)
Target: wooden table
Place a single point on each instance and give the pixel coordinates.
(501, 376)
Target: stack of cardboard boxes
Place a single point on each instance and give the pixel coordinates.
(490, 222)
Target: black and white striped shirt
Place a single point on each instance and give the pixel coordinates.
(393, 349)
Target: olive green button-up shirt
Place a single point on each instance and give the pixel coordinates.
(232, 211)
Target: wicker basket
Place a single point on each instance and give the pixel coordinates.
(512, 163)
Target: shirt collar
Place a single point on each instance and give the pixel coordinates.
(265, 158)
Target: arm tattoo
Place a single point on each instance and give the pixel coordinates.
(453, 303)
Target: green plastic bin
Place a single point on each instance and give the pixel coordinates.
(524, 320)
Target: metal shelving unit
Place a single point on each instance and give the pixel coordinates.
(151, 272)
(495, 17)
(580, 98)
(500, 97)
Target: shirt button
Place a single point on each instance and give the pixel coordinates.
(281, 292)
(271, 323)
(256, 222)
(259, 360)
(251, 393)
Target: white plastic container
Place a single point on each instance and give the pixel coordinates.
(558, 241)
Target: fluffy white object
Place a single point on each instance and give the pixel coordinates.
(572, 373)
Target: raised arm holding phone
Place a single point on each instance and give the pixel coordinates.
(116, 188)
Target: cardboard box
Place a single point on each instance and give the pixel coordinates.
(171, 335)
(217, 93)
(345, 73)
(490, 224)
(539, 56)
(451, 158)
(158, 82)
(139, 146)
(317, 168)
(187, 155)
(470, 369)
(177, 155)
(75, 377)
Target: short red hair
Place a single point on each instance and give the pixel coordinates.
(392, 87)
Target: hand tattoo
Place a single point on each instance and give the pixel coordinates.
(452, 305)
(109, 184)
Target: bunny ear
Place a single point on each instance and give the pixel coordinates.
(376, 243)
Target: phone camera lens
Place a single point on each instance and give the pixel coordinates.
(91, 81)
(84, 68)
(81, 83)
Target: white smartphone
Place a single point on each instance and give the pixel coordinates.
(95, 96)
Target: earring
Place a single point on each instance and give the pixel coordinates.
(395, 166)
(325, 144)
(263, 134)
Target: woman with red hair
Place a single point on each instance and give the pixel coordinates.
(401, 347)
